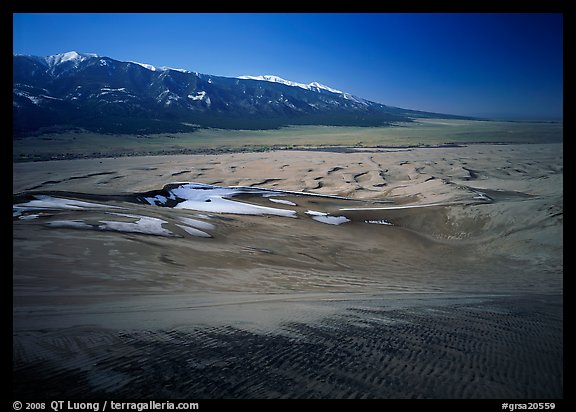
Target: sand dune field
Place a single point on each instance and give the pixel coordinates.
(375, 273)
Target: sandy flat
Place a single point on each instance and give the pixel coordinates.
(462, 297)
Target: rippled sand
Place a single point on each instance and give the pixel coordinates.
(459, 298)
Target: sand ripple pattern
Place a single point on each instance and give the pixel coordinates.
(491, 349)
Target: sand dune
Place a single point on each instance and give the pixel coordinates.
(425, 347)
(445, 272)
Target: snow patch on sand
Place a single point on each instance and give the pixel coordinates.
(379, 222)
(207, 198)
(198, 224)
(144, 224)
(283, 202)
(74, 224)
(194, 232)
(326, 218)
(49, 202)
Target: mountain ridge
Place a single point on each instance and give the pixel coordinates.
(97, 93)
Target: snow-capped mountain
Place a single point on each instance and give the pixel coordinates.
(276, 79)
(97, 93)
(162, 69)
(314, 86)
(73, 57)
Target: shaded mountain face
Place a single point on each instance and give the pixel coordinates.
(100, 94)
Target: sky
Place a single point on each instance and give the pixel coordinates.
(478, 64)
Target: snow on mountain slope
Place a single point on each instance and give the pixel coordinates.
(277, 79)
(146, 66)
(314, 86)
(67, 57)
(161, 69)
(73, 56)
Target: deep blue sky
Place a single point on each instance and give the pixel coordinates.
(506, 65)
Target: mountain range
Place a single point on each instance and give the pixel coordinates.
(100, 94)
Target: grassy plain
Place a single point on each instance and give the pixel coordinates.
(424, 132)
